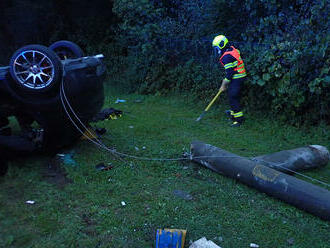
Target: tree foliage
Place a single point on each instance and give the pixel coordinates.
(159, 46)
(284, 45)
(22, 22)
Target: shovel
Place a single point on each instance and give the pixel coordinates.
(209, 106)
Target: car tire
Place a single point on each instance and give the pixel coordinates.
(67, 50)
(35, 69)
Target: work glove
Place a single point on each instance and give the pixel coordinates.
(224, 84)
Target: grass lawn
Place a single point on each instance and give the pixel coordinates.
(79, 206)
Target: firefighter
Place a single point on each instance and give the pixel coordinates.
(235, 71)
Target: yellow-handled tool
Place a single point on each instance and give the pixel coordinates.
(209, 106)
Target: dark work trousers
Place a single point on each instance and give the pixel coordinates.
(234, 95)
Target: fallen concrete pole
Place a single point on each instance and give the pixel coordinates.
(290, 161)
(303, 195)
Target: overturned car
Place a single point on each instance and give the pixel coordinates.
(43, 88)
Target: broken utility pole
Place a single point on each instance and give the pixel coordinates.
(290, 161)
(303, 195)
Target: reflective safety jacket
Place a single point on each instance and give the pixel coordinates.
(233, 63)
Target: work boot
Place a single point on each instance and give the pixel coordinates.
(236, 124)
(229, 114)
(238, 121)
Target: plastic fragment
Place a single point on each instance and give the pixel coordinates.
(290, 241)
(30, 202)
(119, 100)
(123, 203)
(253, 245)
(68, 159)
(182, 194)
(204, 243)
(103, 167)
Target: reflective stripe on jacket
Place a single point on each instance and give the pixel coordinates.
(238, 65)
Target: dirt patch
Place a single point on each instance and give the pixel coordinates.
(55, 174)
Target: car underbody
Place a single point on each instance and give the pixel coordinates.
(44, 89)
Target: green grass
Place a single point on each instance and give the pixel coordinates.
(84, 208)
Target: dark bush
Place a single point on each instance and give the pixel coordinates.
(284, 45)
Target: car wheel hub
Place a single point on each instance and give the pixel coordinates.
(35, 69)
(39, 75)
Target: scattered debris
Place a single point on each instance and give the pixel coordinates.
(131, 126)
(108, 114)
(253, 245)
(218, 238)
(30, 202)
(123, 203)
(119, 100)
(290, 241)
(170, 238)
(182, 194)
(103, 167)
(204, 243)
(143, 147)
(147, 207)
(68, 159)
(187, 155)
